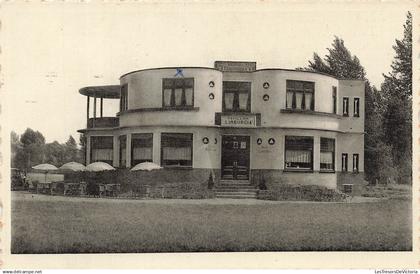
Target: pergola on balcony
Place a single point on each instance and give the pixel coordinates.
(101, 93)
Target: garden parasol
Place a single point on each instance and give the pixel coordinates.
(146, 166)
(46, 168)
(73, 166)
(99, 166)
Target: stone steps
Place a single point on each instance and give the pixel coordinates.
(235, 189)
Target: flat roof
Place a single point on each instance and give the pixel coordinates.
(110, 91)
(257, 70)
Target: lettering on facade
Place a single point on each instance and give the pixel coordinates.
(229, 66)
(238, 121)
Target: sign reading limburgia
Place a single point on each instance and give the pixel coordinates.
(238, 121)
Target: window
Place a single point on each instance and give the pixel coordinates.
(101, 149)
(356, 107)
(178, 93)
(300, 95)
(176, 149)
(299, 152)
(355, 162)
(345, 106)
(141, 148)
(327, 154)
(344, 162)
(123, 150)
(334, 100)
(236, 96)
(123, 98)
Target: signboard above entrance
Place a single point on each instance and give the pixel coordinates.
(238, 121)
(232, 66)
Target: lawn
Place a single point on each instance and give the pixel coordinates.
(45, 224)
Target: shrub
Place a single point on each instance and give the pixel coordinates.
(262, 184)
(210, 184)
(289, 192)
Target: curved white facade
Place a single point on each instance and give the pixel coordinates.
(300, 127)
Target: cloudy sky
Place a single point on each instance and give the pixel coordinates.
(50, 50)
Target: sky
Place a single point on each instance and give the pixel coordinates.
(52, 49)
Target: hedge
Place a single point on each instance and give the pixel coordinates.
(287, 192)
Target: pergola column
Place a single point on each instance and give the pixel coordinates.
(88, 144)
(128, 151)
(102, 107)
(87, 110)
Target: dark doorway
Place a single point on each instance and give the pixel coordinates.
(235, 157)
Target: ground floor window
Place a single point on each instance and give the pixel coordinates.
(101, 149)
(355, 162)
(327, 154)
(123, 150)
(176, 149)
(299, 152)
(344, 162)
(141, 148)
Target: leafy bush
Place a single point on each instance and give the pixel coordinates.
(289, 192)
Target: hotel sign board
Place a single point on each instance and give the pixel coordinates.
(238, 121)
(231, 66)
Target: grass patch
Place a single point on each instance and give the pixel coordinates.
(79, 225)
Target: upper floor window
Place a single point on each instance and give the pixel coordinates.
(334, 100)
(327, 154)
(356, 107)
(236, 96)
(300, 95)
(299, 152)
(178, 92)
(345, 106)
(123, 98)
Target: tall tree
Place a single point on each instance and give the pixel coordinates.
(71, 150)
(397, 89)
(339, 62)
(32, 148)
(16, 151)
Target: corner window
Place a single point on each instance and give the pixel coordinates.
(123, 150)
(334, 100)
(355, 162)
(327, 154)
(123, 98)
(141, 148)
(176, 149)
(178, 92)
(101, 149)
(356, 107)
(344, 162)
(236, 96)
(345, 106)
(299, 153)
(300, 95)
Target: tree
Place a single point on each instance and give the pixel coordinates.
(71, 150)
(397, 116)
(16, 151)
(32, 152)
(339, 62)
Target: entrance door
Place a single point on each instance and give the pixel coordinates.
(235, 157)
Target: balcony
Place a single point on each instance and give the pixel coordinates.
(103, 122)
